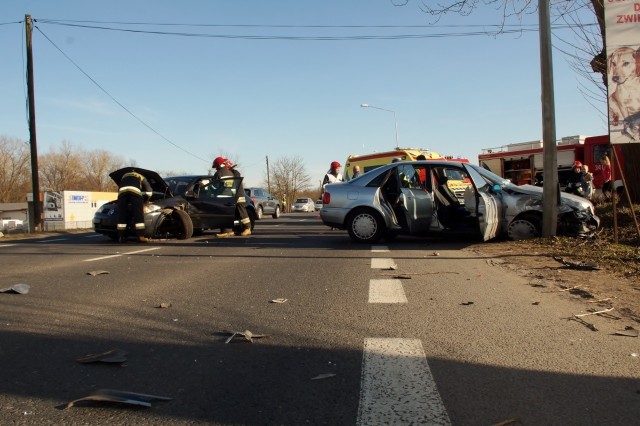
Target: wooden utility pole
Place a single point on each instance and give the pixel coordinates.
(35, 182)
(268, 177)
(550, 188)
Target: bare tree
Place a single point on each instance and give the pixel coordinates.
(96, 166)
(15, 170)
(288, 179)
(61, 169)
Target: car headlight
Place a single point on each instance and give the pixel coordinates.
(150, 208)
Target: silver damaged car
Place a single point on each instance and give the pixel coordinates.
(413, 198)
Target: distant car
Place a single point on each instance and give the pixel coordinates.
(318, 204)
(303, 205)
(180, 206)
(413, 198)
(264, 202)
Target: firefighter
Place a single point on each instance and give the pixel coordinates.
(333, 175)
(225, 169)
(131, 191)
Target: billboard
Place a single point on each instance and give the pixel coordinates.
(622, 26)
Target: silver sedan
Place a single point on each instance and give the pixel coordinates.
(413, 198)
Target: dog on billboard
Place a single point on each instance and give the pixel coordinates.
(622, 68)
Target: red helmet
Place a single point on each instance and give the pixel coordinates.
(577, 164)
(335, 165)
(219, 162)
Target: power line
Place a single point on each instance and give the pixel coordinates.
(116, 101)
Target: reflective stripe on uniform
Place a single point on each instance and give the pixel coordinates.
(140, 225)
(246, 221)
(121, 226)
(241, 200)
(130, 189)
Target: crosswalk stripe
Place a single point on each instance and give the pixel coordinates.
(386, 291)
(397, 385)
(382, 263)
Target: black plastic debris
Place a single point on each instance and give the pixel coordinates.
(628, 331)
(118, 396)
(94, 273)
(16, 288)
(466, 303)
(110, 356)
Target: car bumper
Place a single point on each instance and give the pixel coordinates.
(333, 217)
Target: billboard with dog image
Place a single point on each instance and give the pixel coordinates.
(622, 23)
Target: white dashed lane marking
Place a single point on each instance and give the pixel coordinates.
(397, 385)
(7, 245)
(382, 263)
(53, 240)
(386, 291)
(121, 254)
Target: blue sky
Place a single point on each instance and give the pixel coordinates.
(276, 97)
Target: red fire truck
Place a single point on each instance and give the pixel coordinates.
(523, 162)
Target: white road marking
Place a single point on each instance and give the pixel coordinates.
(7, 245)
(380, 249)
(397, 386)
(93, 236)
(121, 254)
(55, 239)
(386, 291)
(382, 263)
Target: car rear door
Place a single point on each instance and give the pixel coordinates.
(212, 203)
(417, 203)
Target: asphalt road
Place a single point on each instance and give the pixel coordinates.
(409, 332)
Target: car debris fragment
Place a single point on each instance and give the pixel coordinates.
(94, 273)
(118, 396)
(16, 288)
(164, 305)
(628, 331)
(466, 303)
(247, 335)
(323, 376)
(279, 300)
(581, 266)
(110, 356)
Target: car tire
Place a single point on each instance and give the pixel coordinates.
(259, 213)
(276, 213)
(525, 227)
(365, 225)
(183, 227)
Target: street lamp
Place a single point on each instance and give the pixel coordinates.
(395, 121)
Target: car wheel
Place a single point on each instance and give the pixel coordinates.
(259, 213)
(524, 227)
(183, 227)
(365, 226)
(276, 213)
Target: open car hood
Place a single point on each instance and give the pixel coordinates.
(157, 183)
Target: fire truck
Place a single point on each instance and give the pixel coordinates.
(522, 163)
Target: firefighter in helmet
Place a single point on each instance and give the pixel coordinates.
(225, 169)
(131, 191)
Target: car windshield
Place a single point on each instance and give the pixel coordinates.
(488, 176)
(178, 184)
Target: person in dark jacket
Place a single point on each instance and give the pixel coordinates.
(225, 169)
(131, 191)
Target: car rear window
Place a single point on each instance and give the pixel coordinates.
(301, 200)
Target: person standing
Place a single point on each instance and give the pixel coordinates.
(356, 172)
(333, 175)
(225, 169)
(131, 191)
(588, 182)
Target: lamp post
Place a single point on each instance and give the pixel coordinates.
(395, 121)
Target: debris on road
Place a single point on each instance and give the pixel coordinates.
(248, 335)
(16, 288)
(110, 356)
(628, 331)
(580, 266)
(466, 303)
(279, 300)
(435, 253)
(323, 376)
(94, 273)
(391, 268)
(594, 313)
(119, 396)
(583, 322)
(164, 305)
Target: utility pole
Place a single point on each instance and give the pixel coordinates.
(268, 177)
(550, 190)
(35, 182)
